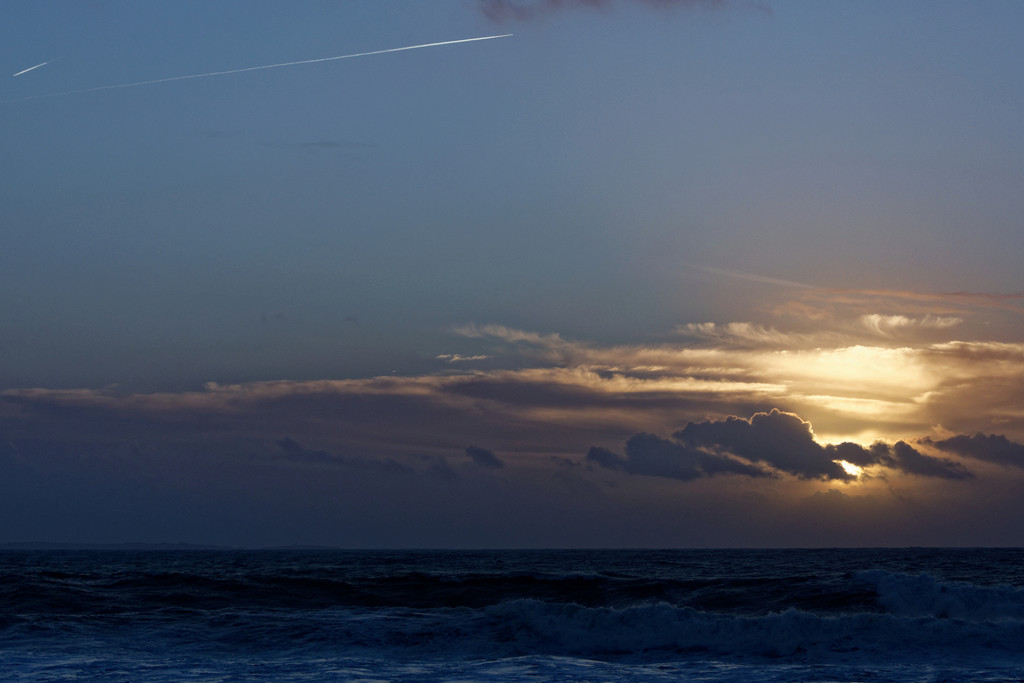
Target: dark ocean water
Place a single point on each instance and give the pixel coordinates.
(714, 615)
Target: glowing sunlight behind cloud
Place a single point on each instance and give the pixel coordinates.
(857, 391)
(850, 468)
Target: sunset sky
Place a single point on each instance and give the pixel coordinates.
(636, 273)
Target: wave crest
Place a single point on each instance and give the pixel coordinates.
(922, 595)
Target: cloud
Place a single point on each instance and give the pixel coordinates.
(887, 325)
(649, 455)
(531, 10)
(900, 457)
(852, 388)
(820, 303)
(911, 461)
(749, 334)
(573, 390)
(855, 454)
(990, 448)
(484, 458)
(366, 463)
(294, 451)
(437, 466)
(779, 440)
(750, 277)
(542, 392)
(866, 329)
(511, 334)
(840, 367)
(459, 358)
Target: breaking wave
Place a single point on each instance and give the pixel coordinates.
(632, 609)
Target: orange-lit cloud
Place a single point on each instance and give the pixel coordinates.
(891, 378)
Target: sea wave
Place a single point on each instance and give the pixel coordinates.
(307, 607)
(650, 632)
(923, 595)
(662, 629)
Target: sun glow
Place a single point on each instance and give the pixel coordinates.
(876, 372)
(851, 469)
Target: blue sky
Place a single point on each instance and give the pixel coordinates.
(627, 217)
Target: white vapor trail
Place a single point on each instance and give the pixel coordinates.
(31, 68)
(258, 68)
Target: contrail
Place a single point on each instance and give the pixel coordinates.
(258, 68)
(31, 68)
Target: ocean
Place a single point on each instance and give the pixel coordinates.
(562, 615)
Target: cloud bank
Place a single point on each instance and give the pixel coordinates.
(380, 463)
(907, 430)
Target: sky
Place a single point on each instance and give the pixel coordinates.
(627, 273)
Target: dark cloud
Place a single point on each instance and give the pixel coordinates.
(777, 439)
(384, 462)
(901, 457)
(910, 460)
(781, 440)
(566, 463)
(379, 423)
(531, 10)
(855, 454)
(991, 448)
(438, 467)
(484, 457)
(650, 455)
(607, 459)
(294, 451)
(383, 417)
